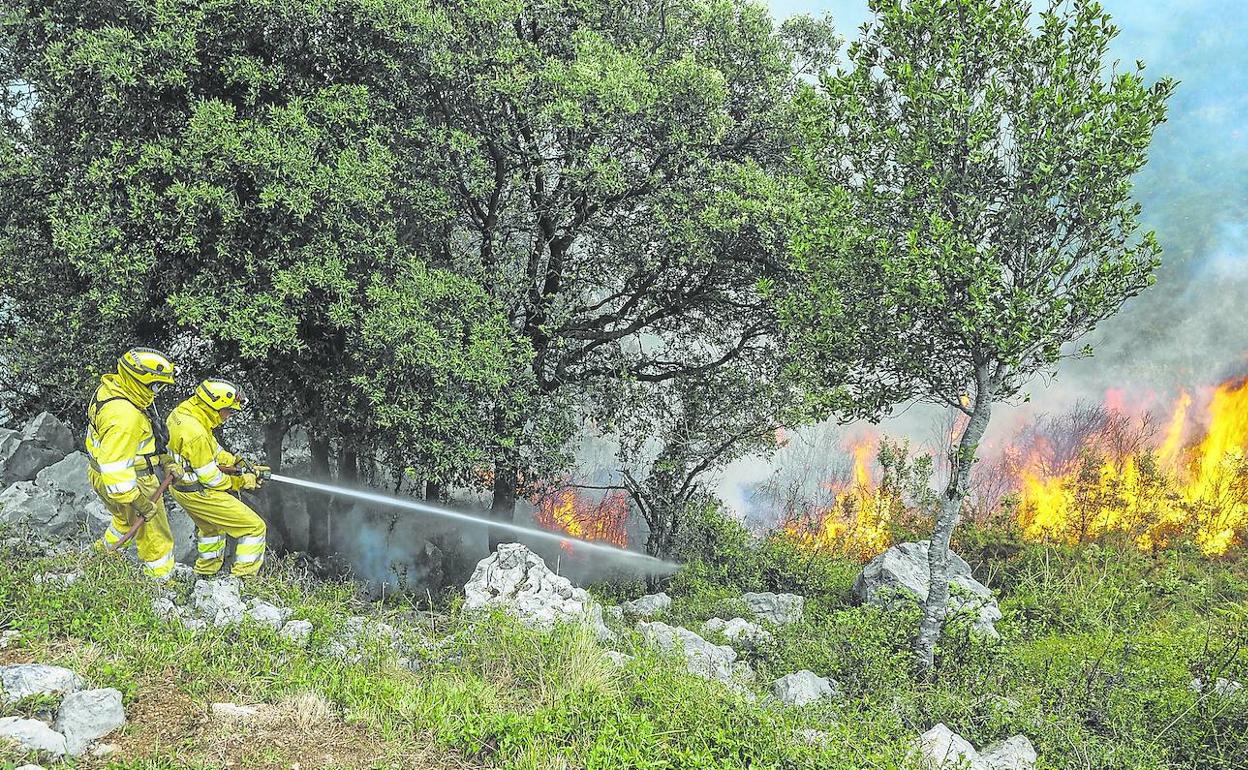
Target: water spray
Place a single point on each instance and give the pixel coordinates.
(447, 513)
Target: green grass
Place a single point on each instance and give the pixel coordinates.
(1097, 652)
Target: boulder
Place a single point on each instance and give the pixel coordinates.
(68, 478)
(9, 638)
(803, 688)
(43, 441)
(27, 679)
(30, 767)
(87, 715)
(218, 601)
(710, 661)
(32, 735)
(268, 615)
(902, 571)
(1014, 753)
(297, 631)
(34, 508)
(940, 748)
(647, 606)
(517, 580)
(739, 630)
(780, 609)
(45, 430)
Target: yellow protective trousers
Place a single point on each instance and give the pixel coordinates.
(155, 541)
(218, 514)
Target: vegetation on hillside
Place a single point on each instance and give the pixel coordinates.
(1098, 651)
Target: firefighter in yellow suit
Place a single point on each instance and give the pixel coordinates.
(204, 490)
(124, 455)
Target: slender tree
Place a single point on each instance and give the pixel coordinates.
(966, 215)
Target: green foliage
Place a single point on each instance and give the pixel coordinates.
(1098, 652)
(965, 205)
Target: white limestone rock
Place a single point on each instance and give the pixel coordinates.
(780, 609)
(517, 580)
(268, 615)
(647, 606)
(941, 748)
(902, 572)
(32, 735)
(27, 679)
(710, 661)
(297, 631)
(219, 601)
(87, 715)
(1014, 753)
(739, 630)
(803, 688)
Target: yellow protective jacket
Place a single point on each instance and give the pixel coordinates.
(194, 447)
(119, 442)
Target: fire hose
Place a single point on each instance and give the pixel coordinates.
(261, 471)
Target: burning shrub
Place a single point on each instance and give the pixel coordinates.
(859, 517)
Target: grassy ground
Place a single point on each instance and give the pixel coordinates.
(1099, 647)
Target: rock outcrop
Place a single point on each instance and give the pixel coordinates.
(43, 441)
(803, 688)
(901, 572)
(87, 715)
(710, 661)
(517, 580)
(739, 631)
(27, 679)
(942, 749)
(82, 715)
(647, 606)
(780, 609)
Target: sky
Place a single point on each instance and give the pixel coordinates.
(1190, 330)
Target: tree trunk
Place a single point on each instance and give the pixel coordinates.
(318, 505)
(503, 506)
(435, 493)
(937, 604)
(275, 514)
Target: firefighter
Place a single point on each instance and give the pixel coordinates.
(123, 448)
(204, 490)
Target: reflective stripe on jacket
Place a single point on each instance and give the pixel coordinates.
(195, 449)
(119, 436)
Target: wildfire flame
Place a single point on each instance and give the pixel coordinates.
(1198, 487)
(564, 510)
(857, 520)
(1101, 472)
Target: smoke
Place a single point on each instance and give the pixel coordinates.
(1188, 331)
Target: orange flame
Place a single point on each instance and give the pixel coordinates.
(1154, 497)
(856, 522)
(603, 520)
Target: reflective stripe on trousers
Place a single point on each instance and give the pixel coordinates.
(249, 549)
(160, 568)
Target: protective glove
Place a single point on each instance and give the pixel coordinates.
(170, 467)
(248, 480)
(142, 508)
